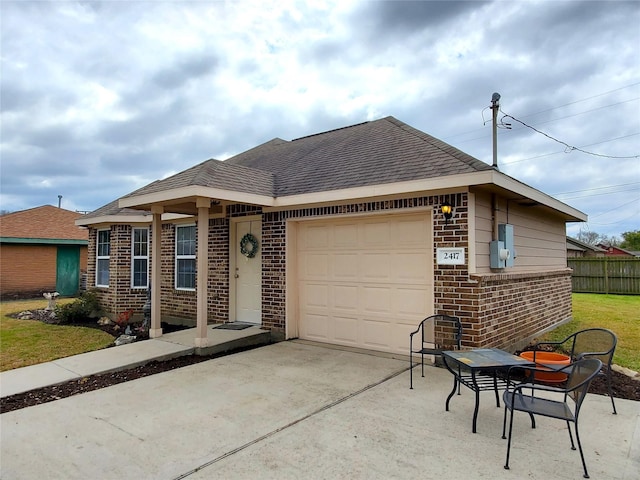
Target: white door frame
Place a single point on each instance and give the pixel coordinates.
(233, 260)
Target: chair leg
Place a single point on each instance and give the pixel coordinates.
(504, 422)
(573, 446)
(584, 465)
(611, 392)
(506, 464)
(410, 370)
(422, 355)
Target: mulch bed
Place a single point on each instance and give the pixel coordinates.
(623, 386)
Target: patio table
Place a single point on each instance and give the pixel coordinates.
(480, 369)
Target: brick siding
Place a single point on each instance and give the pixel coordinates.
(497, 310)
(27, 269)
(31, 270)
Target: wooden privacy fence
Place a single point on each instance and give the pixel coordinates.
(605, 275)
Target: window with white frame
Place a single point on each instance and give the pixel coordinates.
(140, 258)
(103, 252)
(186, 257)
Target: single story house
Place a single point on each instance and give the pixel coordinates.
(578, 249)
(613, 251)
(41, 250)
(348, 237)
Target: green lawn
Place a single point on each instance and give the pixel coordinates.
(27, 342)
(618, 313)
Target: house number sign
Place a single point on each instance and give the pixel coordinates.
(450, 256)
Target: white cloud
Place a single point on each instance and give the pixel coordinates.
(117, 94)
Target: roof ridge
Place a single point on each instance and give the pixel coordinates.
(333, 130)
(439, 144)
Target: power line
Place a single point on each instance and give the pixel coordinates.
(582, 100)
(582, 113)
(599, 194)
(569, 148)
(564, 151)
(609, 210)
(551, 109)
(598, 188)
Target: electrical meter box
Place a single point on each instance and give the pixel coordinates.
(502, 251)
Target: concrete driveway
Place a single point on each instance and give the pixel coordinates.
(293, 410)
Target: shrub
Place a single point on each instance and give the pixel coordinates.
(82, 309)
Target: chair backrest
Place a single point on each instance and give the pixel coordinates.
(597, 343)
(580, 375)
(443, 331)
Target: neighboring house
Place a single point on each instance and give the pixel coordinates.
(339, 237)
(41, 250)
(612, 250)
(578, 249)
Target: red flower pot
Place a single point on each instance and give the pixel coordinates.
(548, 358)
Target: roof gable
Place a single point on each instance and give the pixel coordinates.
(215, 174)
(45, 222)
(370, 153)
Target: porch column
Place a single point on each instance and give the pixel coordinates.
(202, 271)
(155, 330)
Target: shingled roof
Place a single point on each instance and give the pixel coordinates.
(353, 160)
(215, 174)
(370, 153)
(45, 222)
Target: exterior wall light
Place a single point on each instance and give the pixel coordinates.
(447, 211)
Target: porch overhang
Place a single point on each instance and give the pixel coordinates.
(184, 200)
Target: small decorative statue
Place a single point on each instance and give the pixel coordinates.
(52, 299)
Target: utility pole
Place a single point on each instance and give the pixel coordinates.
(495, 106)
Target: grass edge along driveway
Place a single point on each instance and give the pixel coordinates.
(618, 313)
(28, 342)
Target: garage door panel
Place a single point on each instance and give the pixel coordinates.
(317, 237)
(315, 265)
(411, 267)
(376, 266)
(413, 232)
(315, 296)
(375, 335)
(376, 234)
(399, 340)
(376, 300)
(346, 330)
(316, 327)
(345, 298)
(344, 266)
(365, 282)
(411, 302)
(345, 236)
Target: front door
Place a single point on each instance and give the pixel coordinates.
(68, 270)
(248, 271)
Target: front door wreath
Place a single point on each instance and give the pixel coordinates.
(249, 246)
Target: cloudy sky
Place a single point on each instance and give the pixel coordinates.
(101, 98)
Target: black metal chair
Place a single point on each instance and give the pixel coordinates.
(579, 378)
(435, 334)
(597, 343)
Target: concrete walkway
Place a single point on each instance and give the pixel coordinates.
(293, 410)
(131, 355)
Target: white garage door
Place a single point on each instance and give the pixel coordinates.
(365, 282)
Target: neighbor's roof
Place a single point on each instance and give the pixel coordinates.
(41, 223)
(575, 244)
